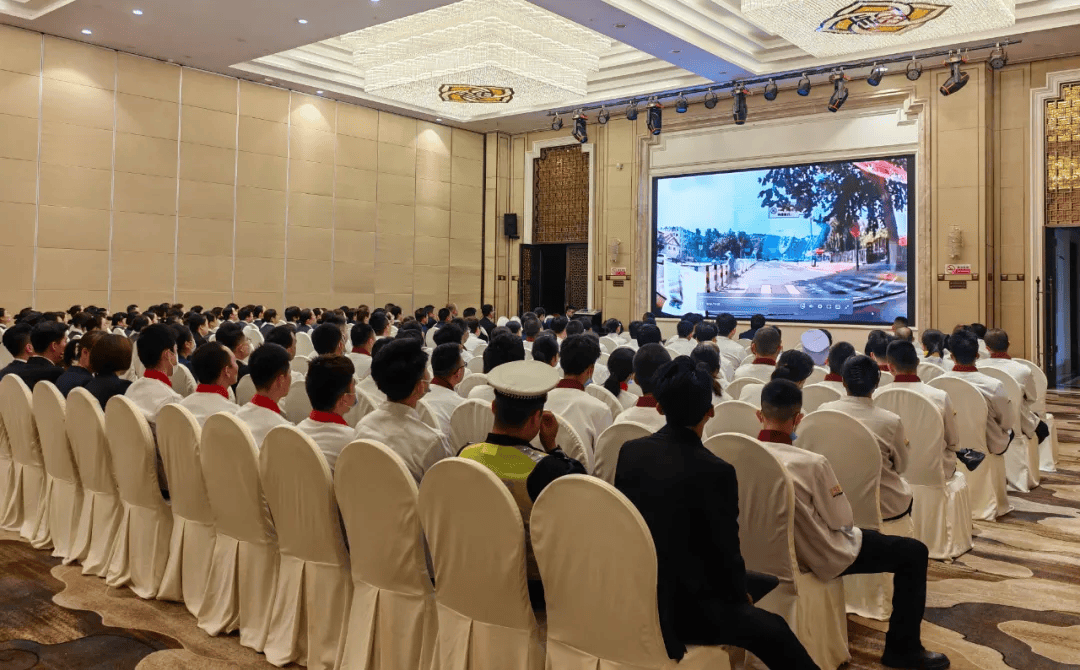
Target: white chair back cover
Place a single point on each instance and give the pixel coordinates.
(599, 392)
(886, 379)
(427, 415)
(295, 406)
(1022, 458)
(734, 416)
(299, 363)
(314, 586)
(749, 358)
(469, 383)
(243, 577)
(191, 549)
(1041, 383)
(924, 429)
(304, 347)
(364, 406)
(470, 422)
(7, 478)
(569, 441)
(5, 355)
(735, 388)
(612, 343)
(16, 406)
(610, 443)
(101, 510)
(818, 375)
(816, 395)
(478, 351)
(856, 460)
(1048, 448)
(929, 372)
(255, 335)
(58, 518)
(599, 569)
(392, 620)
(183, 381)
(477, 547)
(604, 356)
(476, 364)
(605, 346)
(245, 390)
(142, 541)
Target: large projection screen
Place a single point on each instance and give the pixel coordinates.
(829, 242)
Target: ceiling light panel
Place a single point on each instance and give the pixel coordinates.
(31, 9)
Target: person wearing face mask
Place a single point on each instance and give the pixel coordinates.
(272, 376)
(331, 390)
(448, 370)
(156, 348)
(214, 366)
(400, 371)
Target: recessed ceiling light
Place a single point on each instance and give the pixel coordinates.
(318, 92)
(436, 120)
(87, 31)
(676, 51)
(302, 21)
(620, 25)
(137, 12)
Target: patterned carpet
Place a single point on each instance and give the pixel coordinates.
(1011, 603)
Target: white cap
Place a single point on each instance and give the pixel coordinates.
(816, 344)
(523, 380)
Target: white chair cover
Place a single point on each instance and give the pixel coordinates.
(304, 347)
(569, 441)
(300, 363)
(818, 375)
(748, 358)
(1022, 457)
(58, 516)
(243, 576)
(392, 620)
(941, 510)
(191, 549)
(16, 406)
(610, 443)
(7, 479)
(142, 541)
(929, 372)
(735, 388)
(598, 391)
(604, 356)
(314, 588)
(886, 379)
(986, 483)
(611, 342)
(364, 406)
(255, 335)
(470, 382)
(101, 511)
(5, 355)
(1048, 448)
(813, 609)
(295, 406)
(183, 381)
(478, 350)
(599, 569)
(816, 395)
(470, 422)
(734, 416)
(476, 364)
(427, 415)
(477, 547)
(245, 390)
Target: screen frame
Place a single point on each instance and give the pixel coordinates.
(912, 222)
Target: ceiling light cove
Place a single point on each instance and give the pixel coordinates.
(31, 9)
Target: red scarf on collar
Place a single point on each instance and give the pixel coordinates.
(884, 368)
(907, 378)
(570, 384)
(774, 436)
(260, 400)
(965, 368)
(1004, 355)
(833, 378)
(212, 388)
(646, 401)
(160, 376)
(327, 417)
(361, 350)
(765, 361)
(623, 386)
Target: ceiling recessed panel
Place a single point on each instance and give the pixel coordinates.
(31, 9)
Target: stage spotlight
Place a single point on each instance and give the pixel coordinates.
(998, 58)
(603, 117)
(710, 100)
(656, 117)
(840, 91)
(876, 74)
(631, 111)
(581, 131)
(771, 90)
(681, 104)
(957, 79)
(804, 86)
(738, 108)
(914, 70)
(557, 123)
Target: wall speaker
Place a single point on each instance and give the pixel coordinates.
(510, 226)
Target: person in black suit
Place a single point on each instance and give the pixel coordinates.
(486, 324)
(757, 322)
(49, 339)
(17, 342)
(690, 500)
(233, 337)
(307, 321)
(110, 356)
(78, 373)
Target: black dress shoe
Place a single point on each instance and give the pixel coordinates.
(916, 660)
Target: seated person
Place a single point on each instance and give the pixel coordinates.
(587, 415)
(156, 348)
(964, 351)
(400, 370)
(48, 339)
(17, 342)
(649, 333)
(861, 377)
(503, 348)
(367, 385)
(683, 342)
(331, 390)
(838, 355)
(621, 373)
(877, 348)
(363, 339)
(380, 325)
(546, 349)
(269, 369)
(648, 359)
(705, 333)
(285, 337)
(794, 366)
(109, 359)
(997, 343)
(232, 336)
(708, 355)
(185, 344)
(727, 338)
(827, 541)
(933, 342)
(79, 374)
(215, 369)
(447, 372)
(328, 340)
(905, 334)
(757, 322)
(766, 347)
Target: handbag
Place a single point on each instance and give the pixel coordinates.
(970, 458)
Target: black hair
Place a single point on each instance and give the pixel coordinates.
(305, 315)
(361, 333)
(964, 347)
(398, 367)
(725, 323)
(231, 335)
(420, 314)
(379, 344)
(903, 357)
(443, 314)
(514, 327)
(292, 313)
(794, 366)
(838, 354)
(706, 332)
(244, 313)
(900, 321)
(545, 349)
(649, 333)
(183, 335)
(282, 336)
(757, 321)
(531, 327)
(683, 391)
(71, 353)
(648, 359)
(110, 354)
(515, 412)
(468, 312)
(934, 342)
(153, 342)
(979, 330)
(574, 327)
(558, 324)
(328, 378)
(195, 321)
(781, 399)
(997, 340)
(378, 322)
(503, 349)
(267, 363)
(485, 310)
(767, 341)
(448, 334)
(326, 337)
(861, 375)
(139, 323)
(578, 354)
(708, 356)
(446, 359)
(877, 343)
(46, 334)
(209, 361)
(684, 328)
(612, 326)
(621, 365)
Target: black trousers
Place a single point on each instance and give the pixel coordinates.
(906, 559)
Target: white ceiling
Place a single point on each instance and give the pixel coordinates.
(662, 45)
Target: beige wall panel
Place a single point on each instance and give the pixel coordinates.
(260, 205)
(18, 137)
(390, 278)
(148, 271)
(354, 246)
(403, 299)
(467, 225)
(433, 167)
(396, 189)
(264, 102)
(145, 116)
(139, 154)
(265, 298)
(355, 184)
(307, 276)
(18, 224)
(199, 162)
(143, 232)
(21, 52)
(958, 158)
(260, 240)
(432, 283)
(17, 298)
(399, 130)
(1013, 161)
(464, 285)
(313, 178)
(16, 269)
(1014, 98)
(147, 77)
(65, 102)
(466, 251)
(959, 207)
(205, 237)
(264, 275)
(311, 211)
(72, 269)
(432, 194)
(75, 187)
(468, 172)
(468, 145)
(393, 248)
(313, 244)
(466, 198)
(202, 200)
(399, 160)
(357, 121)
(145, 194)
(432, 222)
(201, 297)
(358, 215)
(264, 137)
(620, 142)
(308, 144)
(77, 146)
(434, 138)
(309, 111)
(19, 94)
(206, 126)
(64, 298)
(354, 278)
(73, 228)
(209, 91)
(204, 273)
(953, 112)
(357, 152)
(261, 171)
(79, 63)
(433, 251)
(396, 219)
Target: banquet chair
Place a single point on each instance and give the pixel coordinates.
(183, 381)
(364, 406)
(99, 518)
(751, 394)
(392, 622)
(16, 406)
(141, 550)
(254, 335)
(818, 375)
(296, 406)
(1048, 448)
(1022, 457)
(986, 483)
(600, 373)
(191, 549)
(311, 601)
(477, 545)
(469, 383)
(941, 509)
(300, 363)
(929, 372)
(734, 416)
(427, 415)
(61, 505)
(7, 478)
(304, 347)
(5, 355)
(478, 351)
(476, 364)
(735, 388)
(610, 443)
(243, 575)
(599, 566)
(612, 343)
(470, 422)
(748, 358)
(570, 442)
(245, 390)
(886, 379)
(816, 395)
(813, 609)
(600, 393)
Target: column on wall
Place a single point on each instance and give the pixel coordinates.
(466, 219)
(617, 214)
(356, 163)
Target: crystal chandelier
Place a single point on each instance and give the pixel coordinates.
(477, 57)
(836, 27)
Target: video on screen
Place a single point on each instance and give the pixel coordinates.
(820, 242)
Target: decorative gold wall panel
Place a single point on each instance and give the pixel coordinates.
(1063, 158)
(561, 196)
(577, 274)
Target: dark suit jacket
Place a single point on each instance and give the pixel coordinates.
(303, 328)
(12, 367)
(73, 377)
(748, 334)
(38, 368)
(487, 324)
(104, 387)
(690, 500)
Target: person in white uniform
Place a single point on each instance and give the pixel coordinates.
(794, 366)
(589, 416)
(765, 347)
(331, 390)
(620, 373)
(156, 348)
(546, 350)
(648, 359)
(214, 366)
(448, 370)
(861, 377)
(683, 343)
(503, 348)
(997, 343)
(269, 369)
(363, 339)
(367, 385)
(707, 355)
(964, 351)
(726, 341)
(285, 337)
(400, 370)
(933, 342)
(838, 355)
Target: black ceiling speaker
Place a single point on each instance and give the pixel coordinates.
(510, 226)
